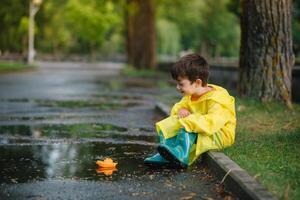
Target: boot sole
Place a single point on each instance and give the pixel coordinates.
(169, 156)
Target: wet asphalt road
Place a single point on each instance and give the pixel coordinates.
(55, 122)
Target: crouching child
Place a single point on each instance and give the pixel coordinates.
(204, 119)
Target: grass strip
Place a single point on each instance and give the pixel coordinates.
(12, 66)
(268, 145)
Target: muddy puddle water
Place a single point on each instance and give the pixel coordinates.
(52, 166)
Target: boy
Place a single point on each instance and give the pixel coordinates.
(203, 120)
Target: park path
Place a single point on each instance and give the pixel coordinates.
(55, 122)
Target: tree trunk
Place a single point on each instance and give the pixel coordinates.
(141, 35)
(266, 55)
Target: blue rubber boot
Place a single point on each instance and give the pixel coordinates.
(178, 155)
(157, 160)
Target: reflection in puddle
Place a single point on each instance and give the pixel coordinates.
(106, 171)
(28, 163)
(56, 157)
(77, 161)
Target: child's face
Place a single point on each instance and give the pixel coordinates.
(186, 87)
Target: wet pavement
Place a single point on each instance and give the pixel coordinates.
(56, 122)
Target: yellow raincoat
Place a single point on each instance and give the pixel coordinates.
(212, 117)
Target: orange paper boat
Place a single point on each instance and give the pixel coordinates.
(106, 163)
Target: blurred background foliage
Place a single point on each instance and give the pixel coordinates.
(296, 28)
(97, 27)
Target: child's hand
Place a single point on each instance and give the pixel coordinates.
(183, 112)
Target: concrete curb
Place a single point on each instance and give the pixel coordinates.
(234, 178)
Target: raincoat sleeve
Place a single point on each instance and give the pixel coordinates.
(181, 104)
(210, 123)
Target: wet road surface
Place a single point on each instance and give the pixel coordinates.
(57, 121)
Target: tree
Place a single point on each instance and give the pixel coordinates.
(219, 30)
(78, 26)
(207, 26)
(266, 56)
(11, 25)
(141, 35)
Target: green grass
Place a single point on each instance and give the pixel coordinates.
(81, 104)
(268, 145)
(9, 66)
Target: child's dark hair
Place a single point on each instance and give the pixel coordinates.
(192, 66)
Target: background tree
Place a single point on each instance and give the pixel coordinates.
(219, 29)
(266, 56)
(97, 27)
(13, 17)
(141, 35)
(77, 26)
(204, 26)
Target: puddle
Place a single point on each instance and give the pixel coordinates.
(61, 164)
(113, 139)
(21, 100)
(63, 161)
(60, 131)
(101, 105)
(75, 133)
